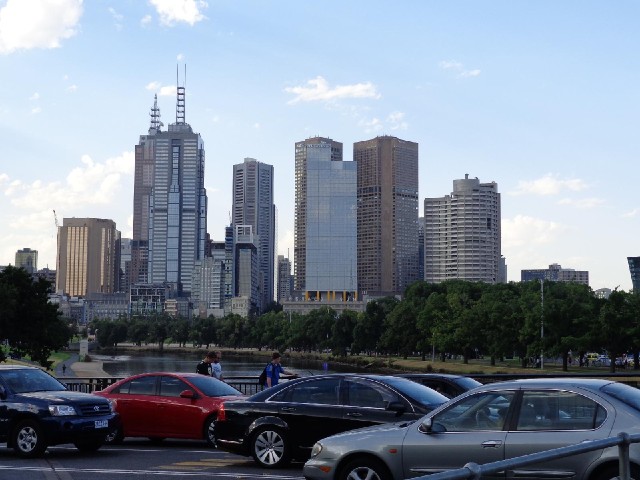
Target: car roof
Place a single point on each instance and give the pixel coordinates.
(17, 367)
(551, 382)
(431, 375)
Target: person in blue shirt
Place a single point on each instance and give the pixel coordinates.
(274, 369)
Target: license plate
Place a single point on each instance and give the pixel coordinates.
(101, 423)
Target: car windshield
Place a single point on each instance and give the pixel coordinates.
(30, 380)
(420, 393)
(625, 393)
(212, 387)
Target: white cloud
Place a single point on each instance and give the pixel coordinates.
(36, 110)
(35, 96)
(117, 18)
(370, 126)
(27, 24)
(180, 57)
(396, 121)
(523, 230)
(256, 126)
(72, 88)
(458, 68)
(174, 11)
(163, 91)
(146, 20)
(582, 202)
(549, 185)
(633, 213)
(153, 86)
(318, 89)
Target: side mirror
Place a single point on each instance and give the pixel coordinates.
(187, 394)
(429, 426)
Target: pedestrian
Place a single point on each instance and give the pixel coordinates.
(64, 369)
(216, 368)
(274, 369)
(204, 367)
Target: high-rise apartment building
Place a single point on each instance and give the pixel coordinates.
(170, 202)
(27, 259)
(88, 259)
(462, 233)
(252, 204)
(555, 273)
(634, 270)
(387, 214)
(325, 249)
(285, 280)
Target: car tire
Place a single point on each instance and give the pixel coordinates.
(362, 468)
(89, 445)
(115, 437)
(28, 439)
(210, 431)
(612, 472)
(270, 447)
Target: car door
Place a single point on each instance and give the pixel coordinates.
(553, 418)
(311, 410)
(181, 417)
(470, 430)
(366, 403)
(136, 404)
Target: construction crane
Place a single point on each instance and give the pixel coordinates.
(55, 217)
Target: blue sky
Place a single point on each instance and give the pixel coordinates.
(542, 97)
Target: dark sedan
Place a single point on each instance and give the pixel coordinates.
(163, 405)
(283, 422)
(447, 384)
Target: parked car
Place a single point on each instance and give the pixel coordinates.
(163, 405)
(283, 422)
(493, 422)
(37, 411)
(447, 384)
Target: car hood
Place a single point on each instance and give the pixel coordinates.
(63, 396)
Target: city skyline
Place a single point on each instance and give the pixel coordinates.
(538, 97)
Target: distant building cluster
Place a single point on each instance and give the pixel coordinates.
(357, 234)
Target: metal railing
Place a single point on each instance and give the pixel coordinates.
(474, 471)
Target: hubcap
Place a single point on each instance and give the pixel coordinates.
(269, 447)
(27, 439)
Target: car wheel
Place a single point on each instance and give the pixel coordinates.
(612, 472)
(270, 447)
(89, 445)
(114, 437)
(28, 439)
(210, 431)
(364, 468)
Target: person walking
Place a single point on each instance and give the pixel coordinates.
(274, 369)
(216, 368)
(204, 367)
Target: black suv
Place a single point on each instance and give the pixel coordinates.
(37, 411)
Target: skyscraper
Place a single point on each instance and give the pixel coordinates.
(88, 259)
(387, 214)
(170, 202)
(325, 249)
(284, 278)
(27, 259)
(252, 204)
(634, 270)
(462, 233)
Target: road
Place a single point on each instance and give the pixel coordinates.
(139, 460)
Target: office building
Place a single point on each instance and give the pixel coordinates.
(246, 267)
(462, 234)
(252, 204)
(207, 287)
(325, 231)
(125, 264)
(170, 203)
(387, 214)
(27, 259)
(88, 259)
(555, 273)
(285, 279)
(634, 270)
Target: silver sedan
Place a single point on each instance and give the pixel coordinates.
(490, 423)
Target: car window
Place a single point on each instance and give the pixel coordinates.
(483, 411)
(365, 393)
(30, 380)
(140, 386)
(324, 391)
(420, 393)
(172, 386)
(212, 387)
(559, 410)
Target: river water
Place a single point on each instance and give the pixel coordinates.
(123, 365)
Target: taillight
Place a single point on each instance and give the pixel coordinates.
(222, 415)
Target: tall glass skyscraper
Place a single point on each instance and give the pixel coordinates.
(325, 244)
(634, 270)
(253, 205)
(171, 203)
(387, 214)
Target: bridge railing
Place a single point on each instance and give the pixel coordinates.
(474, 471)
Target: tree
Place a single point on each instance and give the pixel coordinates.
(342, 332)
(28, 321)
(370, 325)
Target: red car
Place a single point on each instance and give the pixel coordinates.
(168, 405)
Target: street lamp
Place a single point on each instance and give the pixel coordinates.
(541, 324)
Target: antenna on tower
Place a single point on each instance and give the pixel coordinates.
(180, 107)
(156, 124)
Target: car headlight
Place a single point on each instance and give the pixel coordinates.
(317, 448)
(61, 410)
(112, 405)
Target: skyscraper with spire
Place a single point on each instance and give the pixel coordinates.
(170, 202)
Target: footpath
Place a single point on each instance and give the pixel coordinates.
(73, 367)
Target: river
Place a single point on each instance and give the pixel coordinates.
(131, 363)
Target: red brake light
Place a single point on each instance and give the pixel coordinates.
(222, 415)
